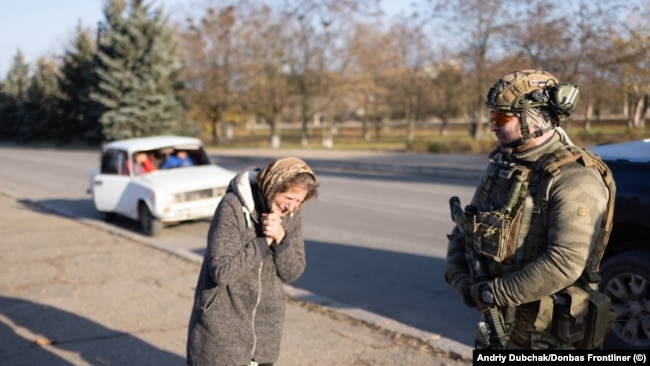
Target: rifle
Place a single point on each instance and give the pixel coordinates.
(492, 330)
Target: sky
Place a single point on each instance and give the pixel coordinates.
(45, 27)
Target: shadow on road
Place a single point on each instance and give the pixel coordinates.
(85, 209)
(374, 280)
(68, 333)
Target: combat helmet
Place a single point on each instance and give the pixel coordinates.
(520, 91)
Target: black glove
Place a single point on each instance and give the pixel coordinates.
(462, 285)
(482, 295)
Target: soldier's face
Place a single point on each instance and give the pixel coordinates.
(506, 126)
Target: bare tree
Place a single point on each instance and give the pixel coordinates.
(320, 55)
(627, 63)
(448, 95)
(413, 69)
(565, 45)
(209, 54)
(369, 49)
(299, 60)
(265, 65)
(478, 24)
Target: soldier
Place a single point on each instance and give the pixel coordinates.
(526, 249)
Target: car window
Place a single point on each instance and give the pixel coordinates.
(113, 162)
(171, 157)
(200, 157)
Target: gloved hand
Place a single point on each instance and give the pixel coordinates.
(462, 284)
(481, 295)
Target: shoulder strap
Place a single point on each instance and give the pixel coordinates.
(551, 165)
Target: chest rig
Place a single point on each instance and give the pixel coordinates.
(495, 215)
(507, 220)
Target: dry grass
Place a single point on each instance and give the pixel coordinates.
(427, 137)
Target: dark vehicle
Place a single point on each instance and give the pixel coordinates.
(625, 269)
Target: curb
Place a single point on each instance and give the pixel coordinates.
(447, 346)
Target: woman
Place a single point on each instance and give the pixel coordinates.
(255, 242)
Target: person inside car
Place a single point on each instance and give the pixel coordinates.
(142, 164)
(178, 160)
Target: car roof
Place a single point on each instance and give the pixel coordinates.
(151, 142)
(637, 151)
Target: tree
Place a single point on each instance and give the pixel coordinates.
(79, 114)
(41, 119)
(627, 63)
(479, 23)
(265, 80)
(448, 97)
(136, 67)
(369, 49)
(14, 97)
(413, 65)
(210, 56)
(567, 46)
(318, 54)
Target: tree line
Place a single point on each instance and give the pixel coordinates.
(321, 62)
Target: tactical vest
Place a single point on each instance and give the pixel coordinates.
(552, 165)
(513, 231)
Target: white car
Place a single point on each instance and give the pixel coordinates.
(154, 193)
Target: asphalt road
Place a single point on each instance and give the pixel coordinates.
(373, 239)
(72, 293)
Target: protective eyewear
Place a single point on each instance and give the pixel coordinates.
(499, 119)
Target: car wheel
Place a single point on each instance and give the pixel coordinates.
(626, 280)
(150, 225)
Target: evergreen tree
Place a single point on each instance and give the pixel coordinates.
(135, 68)
(79, 114)
(41, 119)
(14, 97)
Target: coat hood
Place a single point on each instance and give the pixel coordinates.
(244, 186)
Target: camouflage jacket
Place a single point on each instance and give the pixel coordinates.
(550, 252)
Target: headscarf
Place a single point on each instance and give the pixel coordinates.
(275, 175)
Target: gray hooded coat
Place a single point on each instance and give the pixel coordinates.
(238, 310)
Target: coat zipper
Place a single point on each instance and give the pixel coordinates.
(259, 298)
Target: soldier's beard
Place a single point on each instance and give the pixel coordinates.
(506, 150)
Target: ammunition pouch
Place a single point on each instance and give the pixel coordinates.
(581, 317)
(493, 234)
(599, 320)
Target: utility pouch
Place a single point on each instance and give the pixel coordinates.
(570, 310)
(597, 322)
(490, 233)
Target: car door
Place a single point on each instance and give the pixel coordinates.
(110, 184)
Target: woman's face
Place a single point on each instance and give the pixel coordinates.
(287, 202)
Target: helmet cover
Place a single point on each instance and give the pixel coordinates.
(521, 90)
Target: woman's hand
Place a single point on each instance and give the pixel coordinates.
(272, 227)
